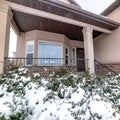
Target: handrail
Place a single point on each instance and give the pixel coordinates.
(42, 58)
(104, 67)
(24, 61)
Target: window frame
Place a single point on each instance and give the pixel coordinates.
(74, 63)
(67, 54)
(30, 52)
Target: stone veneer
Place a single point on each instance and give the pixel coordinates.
(114, 66)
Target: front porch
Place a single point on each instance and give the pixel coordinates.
(61, 25)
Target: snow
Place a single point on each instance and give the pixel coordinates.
(102, 108)
(4, 100)
(3, 108)
(77, 96)
(45, 104)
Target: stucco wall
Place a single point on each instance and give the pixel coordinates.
(107, 47)
(20, 49)
(37, 35)
(5, 18)
(115, 15)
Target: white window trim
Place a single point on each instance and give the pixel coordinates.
(75, 56)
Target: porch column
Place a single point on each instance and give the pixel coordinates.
(88, 48)
(5, 20)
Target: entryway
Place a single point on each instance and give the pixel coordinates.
(80, 59)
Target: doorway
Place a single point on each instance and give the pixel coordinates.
(80, 59)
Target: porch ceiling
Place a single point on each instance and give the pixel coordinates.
(69, 11)
(27, 22)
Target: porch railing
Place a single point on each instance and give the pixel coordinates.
(51, 64)
(103, 69)
(48, 65)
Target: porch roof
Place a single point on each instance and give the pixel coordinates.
(27, 22)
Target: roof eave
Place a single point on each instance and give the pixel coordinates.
(78, 10)
(111, 8)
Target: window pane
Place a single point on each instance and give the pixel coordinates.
(29, 59)
(66, 59)
(73, 56)
(67, 55)
(50, 52)
(66, 51)
(30, 46)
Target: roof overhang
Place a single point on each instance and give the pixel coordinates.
(111, 8)
(57, 17)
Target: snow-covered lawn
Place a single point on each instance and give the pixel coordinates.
(62, 97)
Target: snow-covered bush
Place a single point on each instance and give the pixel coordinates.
(64, 96)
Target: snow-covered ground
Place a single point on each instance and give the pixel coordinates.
(70, 97)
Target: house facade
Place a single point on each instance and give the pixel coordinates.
(55, 33)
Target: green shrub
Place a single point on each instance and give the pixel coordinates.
(2, 118)
(107, 88)
(18, 116)
(60, 72)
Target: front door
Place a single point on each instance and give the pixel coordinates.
(80, 60)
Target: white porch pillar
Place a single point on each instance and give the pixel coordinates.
(88, 48)
(5, 21)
